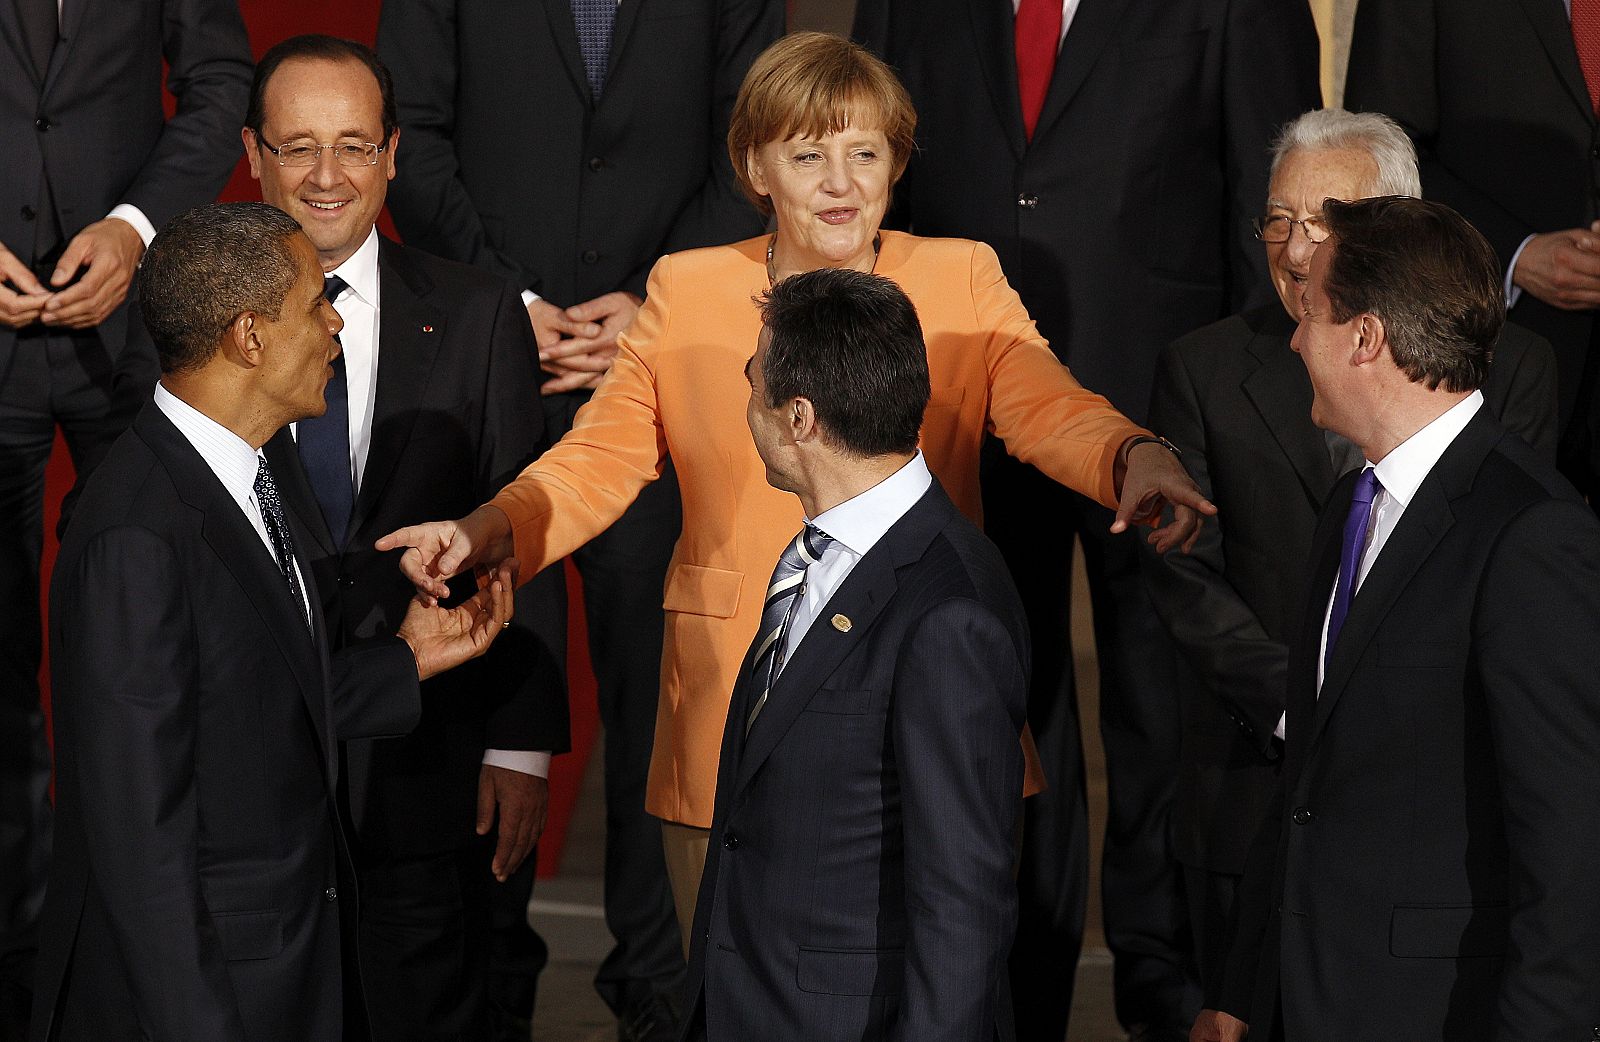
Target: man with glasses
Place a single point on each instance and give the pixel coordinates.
(1237, 401)
(432, 403)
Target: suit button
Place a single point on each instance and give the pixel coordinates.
(28, 212)
(1027, 200)
(730, 841)
(590, 256)
(595, 163)
(331, 894)
(1594, 153)
(1301, 815)
(41, 124)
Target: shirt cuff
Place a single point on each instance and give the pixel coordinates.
(529, 296)
(134, 216)
(1514, 293)
(1278, 731)
(522, 761)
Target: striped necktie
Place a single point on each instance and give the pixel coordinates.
(788, 585)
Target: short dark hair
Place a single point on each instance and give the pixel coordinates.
(851, 344)
(1428, 274)
(317, 47)
(207, 267)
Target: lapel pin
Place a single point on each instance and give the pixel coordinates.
(842, 623)
(427, 329)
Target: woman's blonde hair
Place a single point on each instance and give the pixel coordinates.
(812, 84)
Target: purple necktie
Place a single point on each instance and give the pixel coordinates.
(1355, 540)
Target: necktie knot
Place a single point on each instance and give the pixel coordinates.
(332, 286)
(1367, 486)
(783, 595)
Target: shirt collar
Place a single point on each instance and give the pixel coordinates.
(859, 522)
(360, 270)
(229, 456)
(1404, 468)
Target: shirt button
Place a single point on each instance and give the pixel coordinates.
(590, 256)
(1027, 200)
(331, 894)
(1301, 815)
(596, 163)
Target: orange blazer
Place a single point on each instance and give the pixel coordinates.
(678, 387)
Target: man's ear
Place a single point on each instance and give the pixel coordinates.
(802, 420)
(1372, 341)
(241, 341)
(251, 152)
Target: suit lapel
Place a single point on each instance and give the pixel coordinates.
(236, 544)
(565, 33)
(72, 15)
(283, 456)
(993, 30)
(1092, 28)
(1281, 392)
(406, 355)
(621, 29)
(862, 597)
(1554, 27)
(1426, 520)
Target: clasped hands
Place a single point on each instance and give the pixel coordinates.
(108, 253)
(578, 344)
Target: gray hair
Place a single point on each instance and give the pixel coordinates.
(1372, 132)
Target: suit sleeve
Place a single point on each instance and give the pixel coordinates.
(208, 71)
(615, 448)
(375, 690)
(1219, 634)
(1536, 625)
(127, 712)
(959, 692)
(1045, 416)
(1523, 383)
(526, 665)
(431, 207)
(719, 212)
(1394, 70)
(1270, 67)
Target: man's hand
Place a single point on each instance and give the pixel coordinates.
(1562, 268)
(443, 638)
(551, 323)
(22, 296)
(522, 800)
(581, 360)
(1213, 1025)
(109, 251)
(1150, 478)
(437, 551)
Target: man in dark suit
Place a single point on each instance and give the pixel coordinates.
(92, 167)
(566, 145)
(858, 883)
(1501, 100)
(435, 402)
(1236, 400)
(1423, 873)
(201, 874)
(1115, 173)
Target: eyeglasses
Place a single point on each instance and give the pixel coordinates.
(1278, 228)
(309, 153)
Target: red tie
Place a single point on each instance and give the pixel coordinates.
(1038, 35)
(1585, 33)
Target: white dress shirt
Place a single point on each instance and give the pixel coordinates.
(234, 463)
(1399, 476)
(360, 305)
(855, 526)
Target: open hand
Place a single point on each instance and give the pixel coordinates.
(443, 638)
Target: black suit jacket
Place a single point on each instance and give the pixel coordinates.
(195, 890)
(455, 417)
(1434, 859)
(859, 881)
(509, 164)
(95, 126)
(1124, 222)
(1235, 398)
(1492, 94)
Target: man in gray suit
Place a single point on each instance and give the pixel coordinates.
(92, 168)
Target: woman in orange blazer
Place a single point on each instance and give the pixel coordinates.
(820, 133)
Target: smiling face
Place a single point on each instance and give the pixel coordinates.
(828, 194)
(1302, 181)
(1329, 351)
(299, 346)
(323, 102)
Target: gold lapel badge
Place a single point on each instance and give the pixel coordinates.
(842, 623)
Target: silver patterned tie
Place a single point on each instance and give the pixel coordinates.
(278, 532)
(783, 594)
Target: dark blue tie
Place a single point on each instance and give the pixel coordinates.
(594, 18)
(1355, 541)
(325, 444)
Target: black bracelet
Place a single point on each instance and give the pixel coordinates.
(1154, 439)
